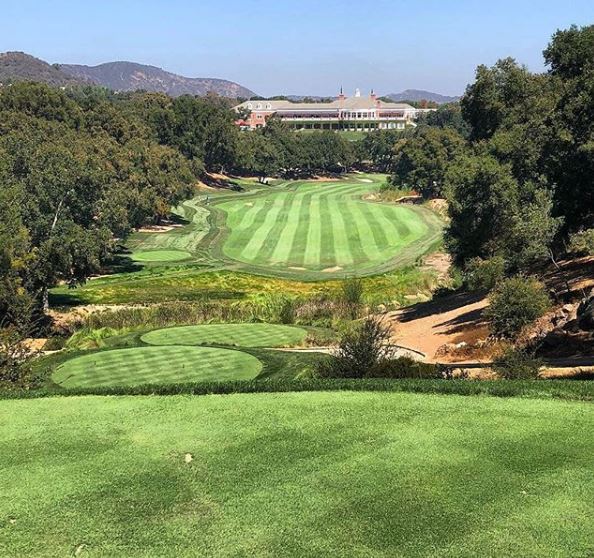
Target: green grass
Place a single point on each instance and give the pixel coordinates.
(155, 365)
(193, 214)
(242, 335)
(160, 255)
(186, 283)
(321, 230)
(308, 474)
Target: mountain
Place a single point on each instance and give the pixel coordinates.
(129, 76)
(420, 95)
(18, 66)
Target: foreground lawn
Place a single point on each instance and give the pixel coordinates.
(303, 474)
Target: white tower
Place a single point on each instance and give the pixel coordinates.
(357, 92)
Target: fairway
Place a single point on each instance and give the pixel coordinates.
(160, 255)
(243, 335)
(324, 229)
(155, 365)
(307, 474)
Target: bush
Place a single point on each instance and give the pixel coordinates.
(352, 295)
(15, 357)
(515, 303)
(582, 243)
(482, 274)
(406, 367)
(517, 364)
(360, 351)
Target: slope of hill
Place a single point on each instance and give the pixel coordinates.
(129, 76)
(420, 95)
(18, 66)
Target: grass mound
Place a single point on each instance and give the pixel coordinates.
(242, 335)
(160, 255)
(362, 474)
(155, 365)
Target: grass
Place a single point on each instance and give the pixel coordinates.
(318, 230)
(160, 255)
(187, 283)
(155, 365)
(193, 215)
(303, 474)
(242, 335)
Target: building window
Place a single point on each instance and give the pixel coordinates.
(259, 106)
(268, 106)
(250, 106)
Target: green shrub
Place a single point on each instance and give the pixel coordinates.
(55, 343)
(514, 303)
(517, 364)
(582, 243)
(361, 349)
(482, 274)
(405, 367)
(352, 291)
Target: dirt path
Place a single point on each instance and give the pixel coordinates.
(425, 327)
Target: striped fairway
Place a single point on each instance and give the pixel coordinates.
(242, 335)
(325, 228)
(156, 365)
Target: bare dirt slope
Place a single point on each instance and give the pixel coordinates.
(427, 326)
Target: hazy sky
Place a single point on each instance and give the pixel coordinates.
(297, 47)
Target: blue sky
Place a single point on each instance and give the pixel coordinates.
(297, 47)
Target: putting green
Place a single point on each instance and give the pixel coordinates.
(156, 365)
(160, 255)
(325, 229)
(243, 335)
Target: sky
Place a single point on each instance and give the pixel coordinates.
(302, 47)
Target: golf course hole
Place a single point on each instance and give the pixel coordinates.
(241, 335)
(160, 255)
(156, 365)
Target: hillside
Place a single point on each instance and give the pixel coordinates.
(420, 95)
(18, 66)
(129, 76)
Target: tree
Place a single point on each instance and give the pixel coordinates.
(422, 161)
(483, 199)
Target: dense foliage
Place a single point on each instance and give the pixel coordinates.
(515, 158)
(76, 172)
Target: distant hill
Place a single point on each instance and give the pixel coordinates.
(18, 66)
(420, 95)
(129, 76)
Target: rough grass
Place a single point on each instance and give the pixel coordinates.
(309, 474)
(242, 335)
(155, 365)
(171, 283)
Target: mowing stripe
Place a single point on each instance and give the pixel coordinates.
(355, 240)
(295, 255)
(371, 214)
(271, 240)
(342, 252)
(327, 241)
(287, 235)
(255, 242)
(368, 244)
(387, 218)
(313, 246)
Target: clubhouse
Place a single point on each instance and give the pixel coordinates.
(345, 113)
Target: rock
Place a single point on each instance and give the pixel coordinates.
(188, 458)
(585, 314)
